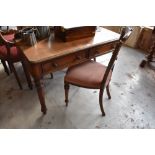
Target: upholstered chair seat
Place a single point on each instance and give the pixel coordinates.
(89, 75)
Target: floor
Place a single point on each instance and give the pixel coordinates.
(132, 104)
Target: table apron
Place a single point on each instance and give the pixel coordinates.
(56, 64)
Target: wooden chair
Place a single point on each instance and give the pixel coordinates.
(9, 36)
(10, 53)
(94, 75)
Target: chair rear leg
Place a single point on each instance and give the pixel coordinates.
(16, 76)
(101, 102)
(5, 67)
(66, 87)
(28, 78)
(108, 92)
(51, 75)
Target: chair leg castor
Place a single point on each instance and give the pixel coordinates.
(143, 63)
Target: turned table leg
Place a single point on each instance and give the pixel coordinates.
(36, 72)
(40, 91)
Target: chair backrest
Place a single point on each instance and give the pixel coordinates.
(125, 33)
(2, 40)
(7, 43)
(5, 37)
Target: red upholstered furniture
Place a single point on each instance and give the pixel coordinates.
(10, 53)
(10, 37)
(94, 75)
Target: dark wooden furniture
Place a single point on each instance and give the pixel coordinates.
(151, 56)
(74, 33)
(145, 36)
(51, 54)
(94, 75)
(11, 54)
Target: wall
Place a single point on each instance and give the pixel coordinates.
(133, 39)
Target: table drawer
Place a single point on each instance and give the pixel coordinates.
(64, 61)
(101, 49)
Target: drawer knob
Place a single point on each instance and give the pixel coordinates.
(55, 65)
(96, 52)
(78, 57)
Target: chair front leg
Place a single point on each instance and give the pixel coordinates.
(101, 102)
(9, 64)
(108, 92)
(66, 87)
